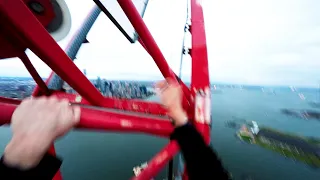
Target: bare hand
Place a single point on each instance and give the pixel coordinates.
(171, 97)
(36, 123)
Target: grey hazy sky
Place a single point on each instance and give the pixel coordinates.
(249, 42)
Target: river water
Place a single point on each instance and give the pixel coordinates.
(99, 155)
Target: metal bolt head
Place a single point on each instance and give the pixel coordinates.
(36, 7)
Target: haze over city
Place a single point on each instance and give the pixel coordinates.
(249, 42)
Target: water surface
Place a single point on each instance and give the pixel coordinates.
(100, 155)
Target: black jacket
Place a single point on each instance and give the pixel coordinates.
(201, 161)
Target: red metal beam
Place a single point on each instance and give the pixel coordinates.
(123, 122)
(33, 72)
(105, 119)
(200, 70)
(13, 33)
(6, 111)
(36, 37)
(37, 88)
(121, 104)
(52, 150)
(185, 89)
(146, 37)
(200, 83)
(144, 46)
(150, 44)
(9, 100)
(136, 106)
(159, 161)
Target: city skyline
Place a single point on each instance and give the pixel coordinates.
(249, 42)
(218, 84)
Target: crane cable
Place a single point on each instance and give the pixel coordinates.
(184, 36)
(180, 159)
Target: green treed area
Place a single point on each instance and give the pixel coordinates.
(312, 140)
(287, 151)
(307, 158)
(245, 137)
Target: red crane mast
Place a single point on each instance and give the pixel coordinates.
(21, 29)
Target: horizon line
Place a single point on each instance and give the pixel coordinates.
(211, 83)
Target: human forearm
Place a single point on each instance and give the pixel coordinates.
(201, 161)
(25, 152)
(44, 170)
(35, 124)
(25, 157)
(179, 116)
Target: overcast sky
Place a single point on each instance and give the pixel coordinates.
(267, 42)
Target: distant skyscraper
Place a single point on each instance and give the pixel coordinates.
(85, 72)
(99, 83)
(143, 89)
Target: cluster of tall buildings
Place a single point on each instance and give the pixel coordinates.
(122, 89)
(22, 87)
(18, 88)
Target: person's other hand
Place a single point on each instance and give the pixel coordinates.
(171, 97)
(35, 124)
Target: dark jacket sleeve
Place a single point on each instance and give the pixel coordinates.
(45, 170)
(201, 161)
